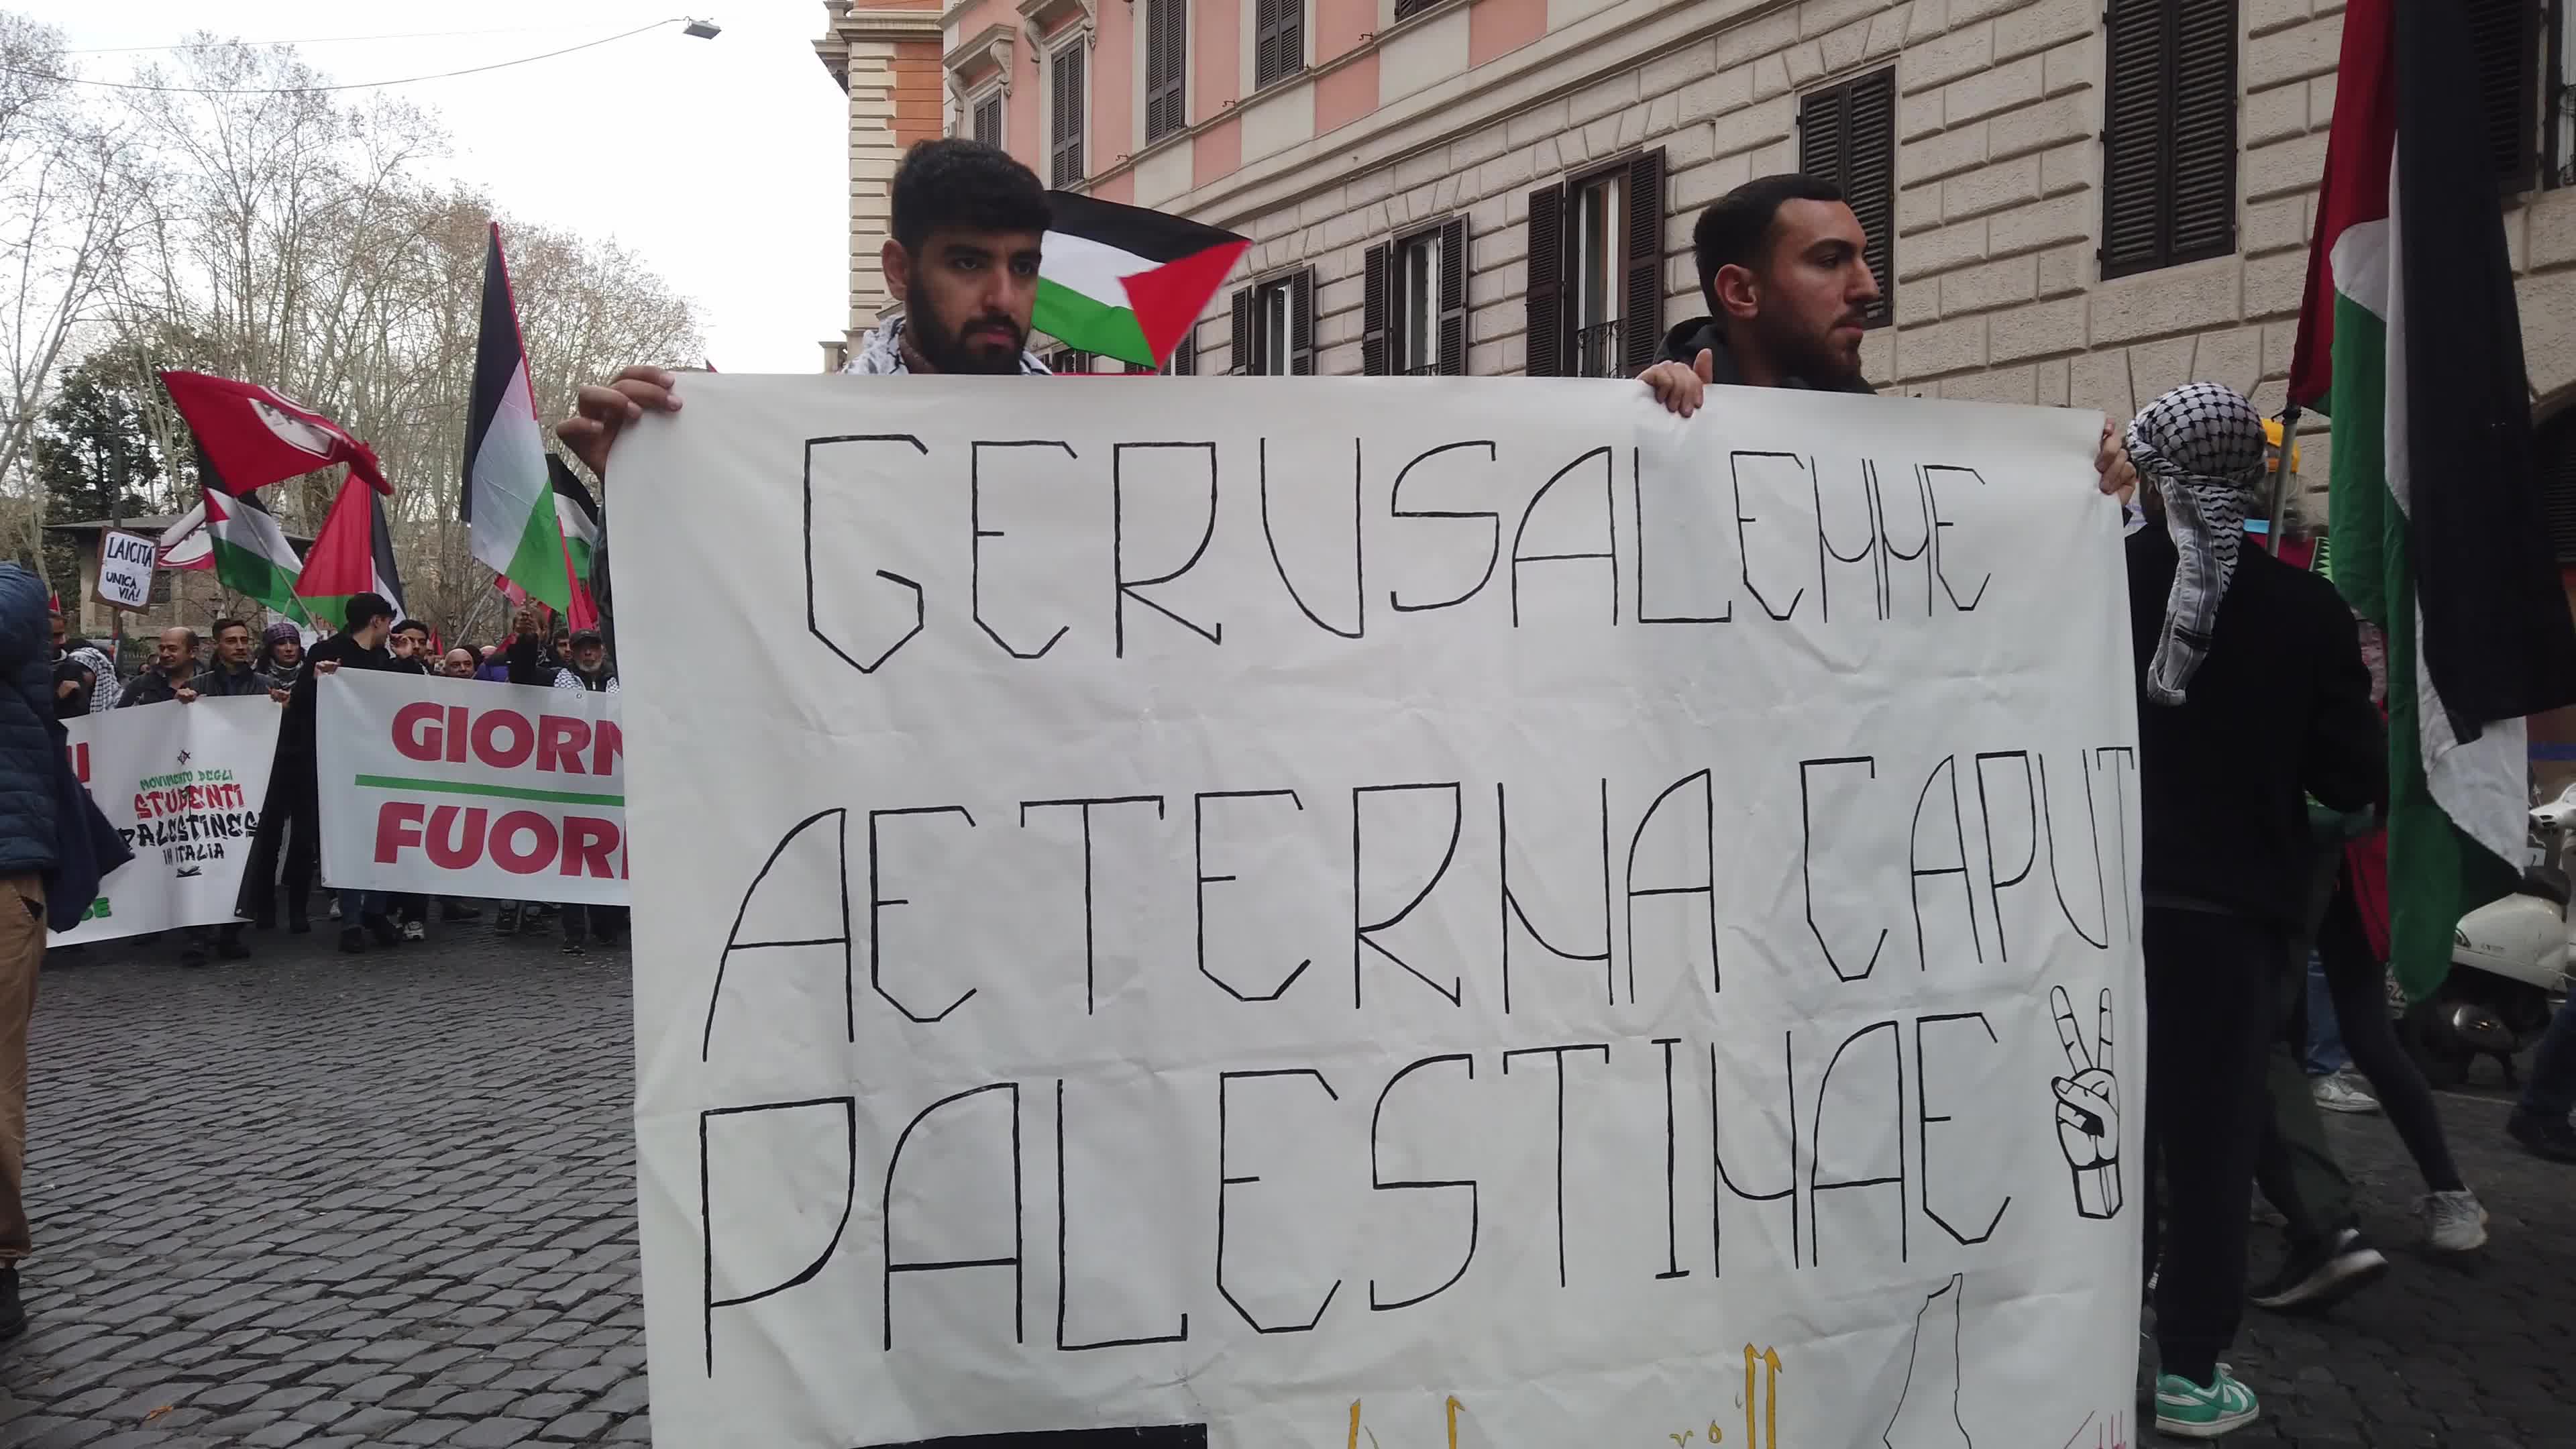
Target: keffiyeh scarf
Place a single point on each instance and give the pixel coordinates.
(2201, 447)
(882, 354)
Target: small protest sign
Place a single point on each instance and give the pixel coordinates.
(125, 565)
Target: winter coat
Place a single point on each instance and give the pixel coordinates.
(1687, 340)
(31, 748)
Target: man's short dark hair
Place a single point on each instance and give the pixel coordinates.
(412, 626)
(964, 185)
(1736, 229)
(365, 609)
(220, 625)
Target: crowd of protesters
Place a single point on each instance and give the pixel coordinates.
(286, 853)
(2249, 866)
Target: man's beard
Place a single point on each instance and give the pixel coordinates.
(1815, 361)
(944, 347)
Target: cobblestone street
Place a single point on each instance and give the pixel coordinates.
(388, 1200)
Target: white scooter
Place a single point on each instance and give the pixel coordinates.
(2509, 962)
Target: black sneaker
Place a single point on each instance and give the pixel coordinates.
(2316, 1277)
(352, 940)
(2542, 1135)
(13, 1313)
(459, 911)
(507, 922)
(571, 948)
(382, 928)
(230, 948)
(192, 955)
(297, 925)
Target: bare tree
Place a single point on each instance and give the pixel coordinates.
(68, 202)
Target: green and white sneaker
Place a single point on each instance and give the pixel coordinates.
(2189, 1411)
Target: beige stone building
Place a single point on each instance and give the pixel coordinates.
(2077, 202)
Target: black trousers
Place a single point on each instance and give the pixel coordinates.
(2211, 1005)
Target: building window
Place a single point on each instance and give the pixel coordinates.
(1278, 40)
(1068, 360)
(1167, 61)
(1274, 327)
(987, 122)
(1064, 135)
(1413, 305)
(2505, 39)
(1596, 262)
(1407, 9)
(2168, 133)
(1847, 135)
(1182, 363)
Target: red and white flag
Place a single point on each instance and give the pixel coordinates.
(257, 435)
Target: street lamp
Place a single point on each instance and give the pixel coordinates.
(702, 29)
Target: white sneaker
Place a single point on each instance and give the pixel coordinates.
(335, 908)
(2454, 1222)
(2337, 1092)
(414, 931)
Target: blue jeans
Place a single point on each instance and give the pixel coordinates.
(2551, 1091)
(2325, 1034)
(357, 905)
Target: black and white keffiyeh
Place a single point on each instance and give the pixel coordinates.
(2201, 447)
(882, 354)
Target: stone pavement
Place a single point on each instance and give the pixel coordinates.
(329, 1201)
(389, 1200)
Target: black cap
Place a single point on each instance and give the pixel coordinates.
(586, 636)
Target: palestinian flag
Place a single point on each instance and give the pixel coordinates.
(354, 554)
(507, 502)
(251, 553)
(1125, 282)
(578, 513)
(2411, 342)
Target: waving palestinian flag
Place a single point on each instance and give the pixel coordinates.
(2411, 341)
(251, 553)
(257, 435)
(1125, 282)
(354, 554)
(508, 504)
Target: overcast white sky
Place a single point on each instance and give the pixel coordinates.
(720, 162)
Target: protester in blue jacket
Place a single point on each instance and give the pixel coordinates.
(39, 859)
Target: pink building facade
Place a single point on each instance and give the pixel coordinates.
(2071, 202)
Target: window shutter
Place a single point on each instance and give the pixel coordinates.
(1278, 40)
(1301, 324)
(1641, 327)
(1374, 266)
(1869, 180)
(1240, 353)
(1185, 358)
(1067, 84)
(1166, 54)
(1545, 299)
(2505, 37)
(1453, 298)
(988, 120)
(2204, 130)
(2133, 136)
(1823, 119)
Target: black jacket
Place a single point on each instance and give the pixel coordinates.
(295, 731)
(1685, 341)
(2279, 710)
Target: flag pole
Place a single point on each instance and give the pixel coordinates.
(2281, 478)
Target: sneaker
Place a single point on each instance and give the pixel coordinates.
(13, 1312)
(2188, 1410)
(192, 955)
(2454, 1222)
(335, 909)
(2312, 1278)
(2542, 1135)
(230, 948)
(571, 948)
(507, 922)
(414, 931)
(382, 928)
(2338, 1092)
(459, 911)
(298, 925)
(352, 940)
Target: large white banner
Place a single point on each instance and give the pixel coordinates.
(184, 784)
(1297, 915)
(461, 787)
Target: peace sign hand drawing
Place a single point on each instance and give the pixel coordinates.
(2088, 1108)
